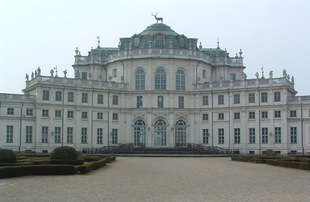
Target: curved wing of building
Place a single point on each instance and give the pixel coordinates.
(156, 89)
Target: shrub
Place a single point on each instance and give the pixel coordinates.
(7, 156)
(64, 153)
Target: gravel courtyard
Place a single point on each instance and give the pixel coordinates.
(165, 179)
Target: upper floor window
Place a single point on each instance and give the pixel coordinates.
(277, 96)
(237, 115)
(251, 97)
(99, 99)
(46, 95)
(84, 97)
(159, 41)
(140, 79)
(10, 111)
(139, 102)
(221, 116)
(220, 99)
(265, 114)
(277, 114)
(160, 79)
(115, 100)
(264, 97)
(84, 115)
(115, 116)
(237, 99)
(99, 115)
(205, 100)
(70, 97)
(114, 72)
(251, 115)
(29, 112)
(233, 76)
(58, 96)
(180, 80)
(293, 113)
(44, 112)
(84, 75)
(57, 113)
(205, 116)
(204, 73)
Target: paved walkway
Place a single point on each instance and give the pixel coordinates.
(165, 179)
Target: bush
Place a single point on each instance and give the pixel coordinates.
(7, 156)
(64, 153)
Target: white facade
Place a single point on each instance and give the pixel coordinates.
(157, 89)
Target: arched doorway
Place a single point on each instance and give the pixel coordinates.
(160, 133)
(139, 133)
(180, 133)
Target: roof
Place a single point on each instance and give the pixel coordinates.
(159, 28)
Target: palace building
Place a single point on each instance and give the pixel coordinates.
(157, 89)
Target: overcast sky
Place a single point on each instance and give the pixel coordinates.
(272, 33)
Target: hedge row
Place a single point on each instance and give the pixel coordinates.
(93, 165)
(48, 169)
(289, 164)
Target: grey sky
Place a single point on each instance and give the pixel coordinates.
(272, 33)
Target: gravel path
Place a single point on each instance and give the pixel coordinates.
(165, 179)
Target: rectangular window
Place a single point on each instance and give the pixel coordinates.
(205, 100)
(251, 97)
(58, 96)
(57, 113)
(265, 115)
(115, 116)
(293, 113)
(277, 135)
(57, 135)
(10, 111)
(114, 136)
(70, 114)
(84, 115)
(70, 97)
(160, 101)
(251, 115)
(205, 116)
(251, 135)
(114, 72)
(237, 135)
(237, 115)
(204, 74)
(99, 99)
(115, 100)
(9, 134)
(277, 96)
(84, 75)
(44, 112)
(277, 114)
(221, 136)
(46, 95)
(139, 102)
(28, 134)
(84, 98)
(84, 136)
(293, 133)
(70, 135)
(233, 76)
(264, 97)
(221, 116)
(264, 135)
(181, 102)
(220, 99)
(99, 115)
(99, 136)
(44, 134)
(29, 112)
(237, 99)
(205, 136)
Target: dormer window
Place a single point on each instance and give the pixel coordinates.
(159, 41)
(136, 42)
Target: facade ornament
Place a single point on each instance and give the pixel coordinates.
(243, 76)
(158, 18)
(77, 74)
(39, 71)
(293, 81)
(65, 73)
(52, 72)
(77, 52)
(98, 41)
(27, 77)
(32, 75)
(236, 56)
(240, 53)
(288, 77)
(256, 75)
(263, 77)
(270, 74)
(35, 73)
(284, 73)
(56, 75)
(200, 46)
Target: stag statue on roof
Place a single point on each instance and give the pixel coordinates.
(157, 18)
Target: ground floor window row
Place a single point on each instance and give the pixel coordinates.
(160, 134)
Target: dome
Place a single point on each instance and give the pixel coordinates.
(159, 28)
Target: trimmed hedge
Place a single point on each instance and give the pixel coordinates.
(15, 171)
(64, 153)
(93, 165)
(7, 156)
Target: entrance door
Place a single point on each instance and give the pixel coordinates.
(160, 133)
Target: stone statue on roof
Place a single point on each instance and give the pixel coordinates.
(270, 74)
(284, 73)
(52, 73)
(256, 75)
(32, 75)
(39, 71)
(27, 77)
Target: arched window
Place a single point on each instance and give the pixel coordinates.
(140, 79)
(139, 133)
(160, 79)
(160, 133)
(180, 80)
(180, 133)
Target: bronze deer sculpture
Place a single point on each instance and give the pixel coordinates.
(158, 18)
